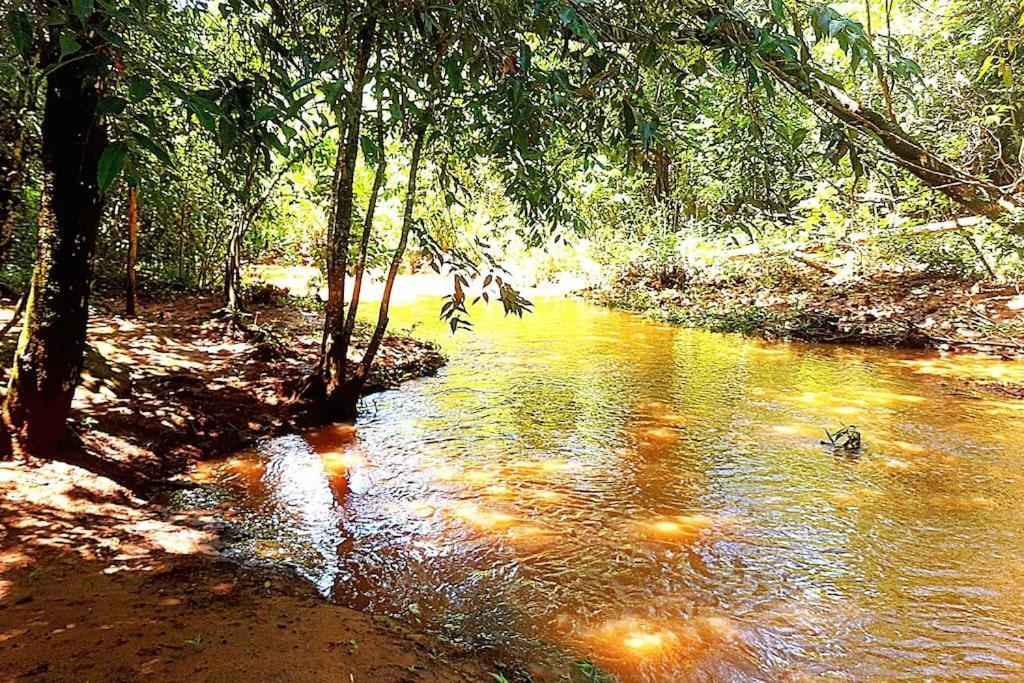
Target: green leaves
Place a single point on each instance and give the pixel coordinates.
(148, 144)
(69, 44)
(111, 164)
(111, 105)
(20, 28)
(139, 89)
(82, 9)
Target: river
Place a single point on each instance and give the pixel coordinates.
(657, 500)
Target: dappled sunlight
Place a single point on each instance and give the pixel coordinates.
(336, 464)
(899, 445)
(965, 366)
(673, 647)
(805, 431)
(860, 497)
(1013, 409)
(59, 508)
(962, 502)
(483, 519)
(684, 528)
(533, 467)
(629, 500)
(636, 638)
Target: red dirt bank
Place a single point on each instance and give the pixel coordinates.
(97, 584)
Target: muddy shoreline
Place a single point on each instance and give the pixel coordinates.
(99, 582)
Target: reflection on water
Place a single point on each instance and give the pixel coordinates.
(657, 499)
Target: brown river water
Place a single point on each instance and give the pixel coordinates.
(655, 499)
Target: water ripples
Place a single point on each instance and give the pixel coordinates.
(589, 482)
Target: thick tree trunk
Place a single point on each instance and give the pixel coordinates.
(49, 356)
(333, 361)
(133, 251)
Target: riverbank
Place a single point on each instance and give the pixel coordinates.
(95, 584)
(180, 383)
(799, 301)
(99, 583)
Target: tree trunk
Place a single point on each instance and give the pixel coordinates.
(48, 361)
(334, 353)
(12, 160)
(371, 210)
(980, 196)
(233, 259)
(11, 175)
(133, 251)
(396, 261)
(233, 269)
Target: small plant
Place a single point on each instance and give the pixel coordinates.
(88, 421)
(846, 439)
(591, 672)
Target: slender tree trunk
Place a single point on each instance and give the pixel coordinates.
(12, 160)
(48, 361)
(333, 362)
(233, 269)
(364, 240)
(233, 259)
(11, 175)
(363, 372)
(133, 251)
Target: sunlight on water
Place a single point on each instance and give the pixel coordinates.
(657, 500)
